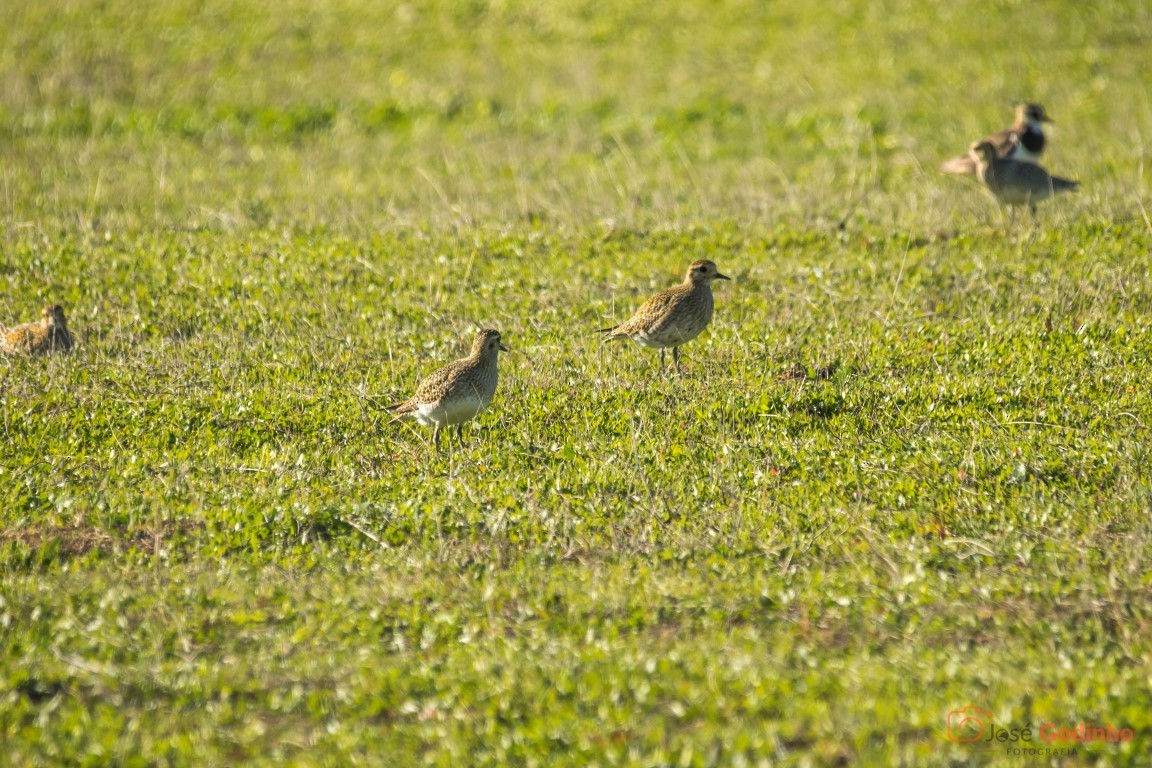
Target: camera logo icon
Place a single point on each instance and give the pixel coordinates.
(968, 724)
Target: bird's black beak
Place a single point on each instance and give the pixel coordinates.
(504, 348)
(722, 277)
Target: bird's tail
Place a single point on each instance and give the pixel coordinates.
(964, 166)
(1060, 185)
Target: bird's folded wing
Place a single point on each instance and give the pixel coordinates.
(1005, 141)
(433, 387)
(658, 310)
(1025, 176)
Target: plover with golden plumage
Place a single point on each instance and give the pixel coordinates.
(457, 392)
(48, 334)
(672, 317)
(1024, 141)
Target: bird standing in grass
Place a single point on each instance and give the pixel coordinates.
(1024, 141)
(672, 317)
(457, 392)
(1014, 182)
(48, 334)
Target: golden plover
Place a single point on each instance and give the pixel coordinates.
(1023, 141)
(1014, 182)
(47, 334)
(458, 391)
(675, 316)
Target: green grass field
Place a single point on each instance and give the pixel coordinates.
(266, 223)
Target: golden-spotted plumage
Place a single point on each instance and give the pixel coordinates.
(458, 391)
(675, 316)
(1014, 182)
(1024, 141)
(48, 334)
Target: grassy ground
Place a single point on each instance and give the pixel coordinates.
(906, 470)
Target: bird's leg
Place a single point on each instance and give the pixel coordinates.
(676, 358)
(436, 437)
(661, 359)
(460, 432)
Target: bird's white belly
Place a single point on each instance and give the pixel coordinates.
(455, 412)
(1022, 154)
(667, 337)
(645, 340)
